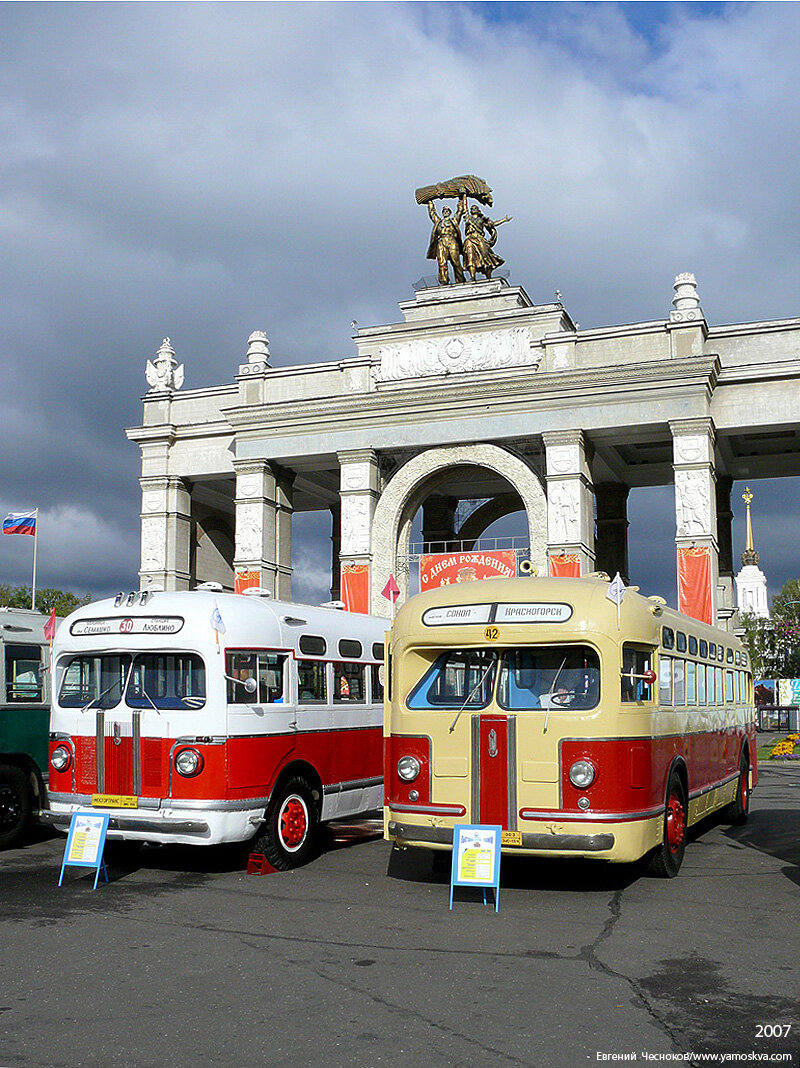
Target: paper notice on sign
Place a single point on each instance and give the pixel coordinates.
(476, 857)
(85, 840)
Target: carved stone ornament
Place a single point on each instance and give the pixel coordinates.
(563, 512)
(692, 504)
(249, 485)
(563, 460)
(249, 531)
(355, 476)
(486, 351)
(163, 374)
(153, 501)
(154, 544)
(355, 525)
(692, 449)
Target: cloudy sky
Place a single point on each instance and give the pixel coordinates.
(204, 170)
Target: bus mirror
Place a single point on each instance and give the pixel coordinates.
(251, 685)
(649, 677)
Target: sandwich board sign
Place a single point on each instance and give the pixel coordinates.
(85, 843)
(476, 859)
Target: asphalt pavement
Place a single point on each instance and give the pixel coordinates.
(356, 959)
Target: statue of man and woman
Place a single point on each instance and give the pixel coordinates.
(474, 254)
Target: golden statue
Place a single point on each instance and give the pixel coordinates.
(475, 253)
(445, 244)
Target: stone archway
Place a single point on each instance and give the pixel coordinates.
(391, 524)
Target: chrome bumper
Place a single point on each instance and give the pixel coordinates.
(120, 821)
(552, 843)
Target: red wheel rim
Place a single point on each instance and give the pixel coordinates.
(676, 823)
(293, 823)
(743, 790)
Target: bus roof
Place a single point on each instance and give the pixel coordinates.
(587, 598)
(183, 619)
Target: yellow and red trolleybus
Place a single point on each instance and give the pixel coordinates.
(583, 728)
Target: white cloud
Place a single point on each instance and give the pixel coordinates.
(204, 170)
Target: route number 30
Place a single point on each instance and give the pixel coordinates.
(491, 634)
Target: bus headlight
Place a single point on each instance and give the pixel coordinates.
(188, 762)
(60, 758)
(581, 774)
(408, 768)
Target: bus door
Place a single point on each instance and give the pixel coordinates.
(494, 770)
(262, 715)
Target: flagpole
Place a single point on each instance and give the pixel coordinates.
(33, 583)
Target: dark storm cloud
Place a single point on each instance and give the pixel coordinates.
(203, 170)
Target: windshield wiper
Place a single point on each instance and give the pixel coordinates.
(474, 690)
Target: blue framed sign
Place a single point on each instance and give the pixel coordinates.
(85, 844)
(476, 859)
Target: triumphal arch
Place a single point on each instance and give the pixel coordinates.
(475, 394)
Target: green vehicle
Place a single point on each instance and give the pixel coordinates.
(24, 720)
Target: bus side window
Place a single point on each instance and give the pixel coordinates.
(678, 682)
(311, 687)
(270, 678)
(701, 684)
(377, 672)
(348, 683)
(23, 682)
(691, 683)
(665, 680)
(635, 662)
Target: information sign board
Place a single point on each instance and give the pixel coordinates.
(85, 843)
(476, 859)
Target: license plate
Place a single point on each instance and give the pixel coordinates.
(511, 838)
(114, 801)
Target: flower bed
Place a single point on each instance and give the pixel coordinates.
(784, 749)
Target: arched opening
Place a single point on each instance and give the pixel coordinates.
(444, 500)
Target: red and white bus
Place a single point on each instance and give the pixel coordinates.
(582, 730)
(203, 717)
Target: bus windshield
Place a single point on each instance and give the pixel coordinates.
(167, 680)
(549, 676)
(460, 678)
(544, 676)
(94, 681)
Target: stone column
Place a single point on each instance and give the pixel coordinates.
(727, 599)
(695, 511)
(284, 487)
(257, 525)
(570, 511)
(438, 523)
(359, 490)
(336, 547)
(612, 528)
(166, 528)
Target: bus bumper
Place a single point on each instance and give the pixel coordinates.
(165, 821)
(412, 835)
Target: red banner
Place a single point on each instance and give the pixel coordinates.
(246, 580)
(694, 583)
(355, 587)
(443, 569)
(565, 565)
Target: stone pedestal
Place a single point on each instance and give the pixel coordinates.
(570, 512)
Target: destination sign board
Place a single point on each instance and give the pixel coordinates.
(533, 613)
(456, 614)
(128, 625)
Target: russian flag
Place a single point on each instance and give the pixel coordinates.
(20, 523)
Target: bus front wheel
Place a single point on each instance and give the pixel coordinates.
(15, 804)
(665, 861)
(287, 838)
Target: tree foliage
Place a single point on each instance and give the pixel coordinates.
(774, 644)
(63, 601)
